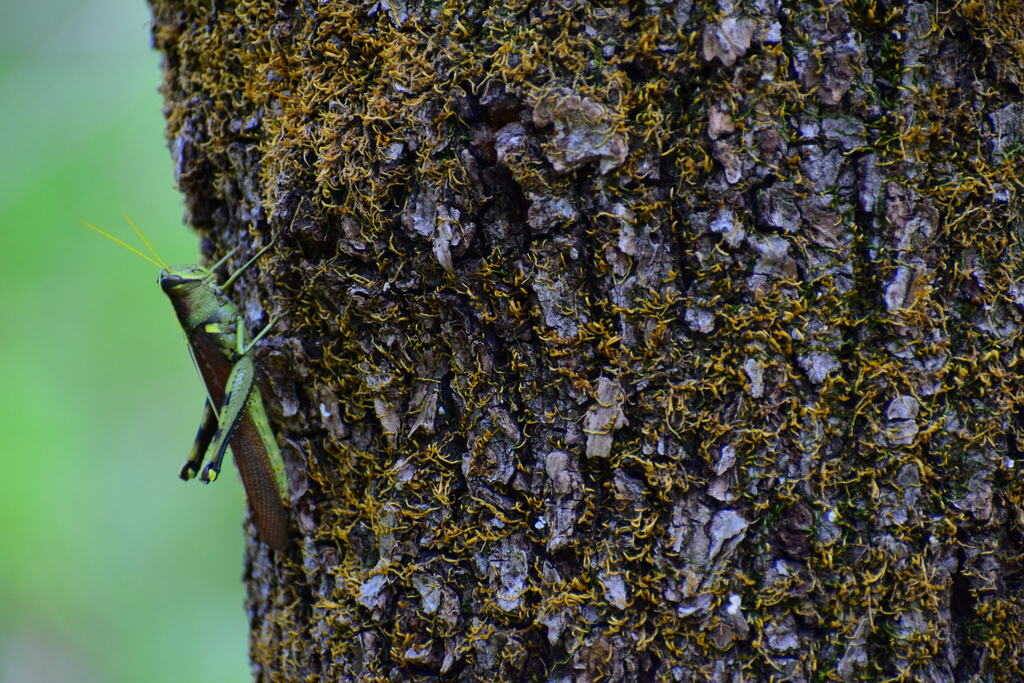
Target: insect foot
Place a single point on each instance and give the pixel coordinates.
(210, 474)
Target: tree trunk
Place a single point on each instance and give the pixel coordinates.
(625, 341)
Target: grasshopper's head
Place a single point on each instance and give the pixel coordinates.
(179, 280)
(192, 292)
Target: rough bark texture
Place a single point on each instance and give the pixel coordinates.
(624, 340)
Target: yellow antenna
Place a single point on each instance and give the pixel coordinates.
(145, 241)
(122, 243)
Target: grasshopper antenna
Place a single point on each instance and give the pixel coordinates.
(123, 244)
(145, 241)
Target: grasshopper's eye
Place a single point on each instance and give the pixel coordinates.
(172, 281)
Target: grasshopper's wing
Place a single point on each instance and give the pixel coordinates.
(259, 463)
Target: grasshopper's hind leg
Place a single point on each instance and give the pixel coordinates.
(207, 428)
(236, 401)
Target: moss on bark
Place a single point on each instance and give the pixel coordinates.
(625, 340)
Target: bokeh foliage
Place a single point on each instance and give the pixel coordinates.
(110, 568)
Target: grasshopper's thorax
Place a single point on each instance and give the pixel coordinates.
(195, 296)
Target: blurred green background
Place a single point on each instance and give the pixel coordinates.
(111, 568)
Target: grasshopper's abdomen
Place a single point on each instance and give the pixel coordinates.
(247, 445)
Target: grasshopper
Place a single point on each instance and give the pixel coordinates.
(233, 412)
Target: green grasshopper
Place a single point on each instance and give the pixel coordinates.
(216, 336)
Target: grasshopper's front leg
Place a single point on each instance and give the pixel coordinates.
(207, 428)
(237, 391)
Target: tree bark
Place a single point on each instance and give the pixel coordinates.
(624, 341)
